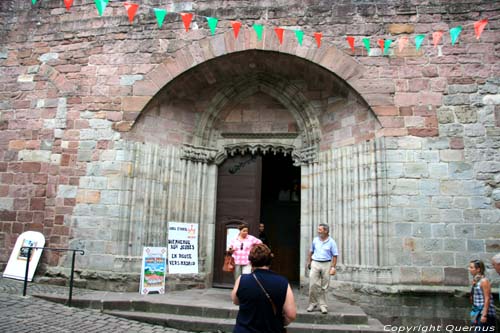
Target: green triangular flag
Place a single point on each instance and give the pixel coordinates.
(160, 15)
(418, 41)
(454, 32)
(387, 45)
(258, 30)
(101, 6)
(300, 36)
(33, 2)
(212, 23)
(366, 42)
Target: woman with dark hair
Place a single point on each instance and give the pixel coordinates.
(265, 298)
(483, 311)
(239, 248)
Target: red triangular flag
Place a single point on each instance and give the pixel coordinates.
(436, 37)
(318, 36)
(236, 28)
(479, 27)
(279, 33)
(186, 18)
(131, 10)
(68, 4)
(350, 40)
(381, 43)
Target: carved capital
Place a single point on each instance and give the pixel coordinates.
(305, 156)
(198, 154)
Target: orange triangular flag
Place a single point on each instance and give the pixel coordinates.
(68, 4)
(131, 10)
(402, 43)
(350, 40)
(279, 33)
(236, 28)
(436, 37)
(479, 27)
(186, 18)
(317, 36)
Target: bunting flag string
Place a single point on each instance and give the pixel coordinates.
(384, 44)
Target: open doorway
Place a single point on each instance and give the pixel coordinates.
(280, 212)
(253, 189)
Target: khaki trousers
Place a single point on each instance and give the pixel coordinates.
(241, 269)
(319, 281)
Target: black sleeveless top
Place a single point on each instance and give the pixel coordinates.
(256, 312)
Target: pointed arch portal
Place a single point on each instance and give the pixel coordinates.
(253, 103)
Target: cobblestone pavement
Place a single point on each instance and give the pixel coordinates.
(31, 314)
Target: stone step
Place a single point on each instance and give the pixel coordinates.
(346, 315)
(196, 323)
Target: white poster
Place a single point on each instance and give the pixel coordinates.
(182, 248)
(16, 267)
(153, 270)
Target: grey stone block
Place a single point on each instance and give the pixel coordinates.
(438, 170)
(464, 230)
(441, 202)
(442, 230)
(403, 229)
(421, 259)
(432, 276)
(416, 170)
(432, 244)
(422, 230)
(456, 276)
(443, 259)
(475, 245)
(430, 187)
(460, 170)
(454, 244)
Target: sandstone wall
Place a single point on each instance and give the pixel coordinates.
(76, 89)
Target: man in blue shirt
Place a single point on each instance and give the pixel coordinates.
(322, 262)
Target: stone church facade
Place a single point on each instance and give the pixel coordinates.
(109, 130)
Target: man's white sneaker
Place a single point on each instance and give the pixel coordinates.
(324, 310)
(311, 307)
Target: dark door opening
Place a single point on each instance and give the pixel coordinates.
(253, 189)
(280, 212)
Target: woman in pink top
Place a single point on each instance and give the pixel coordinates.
(240, 249)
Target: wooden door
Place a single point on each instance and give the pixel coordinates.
(238, 201)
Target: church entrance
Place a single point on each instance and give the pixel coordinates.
(255, 189)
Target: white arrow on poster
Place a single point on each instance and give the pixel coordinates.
(182, 248)
(16, 267)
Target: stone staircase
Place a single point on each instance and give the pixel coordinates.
(217, 314)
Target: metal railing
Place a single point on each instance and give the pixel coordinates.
(29, 248)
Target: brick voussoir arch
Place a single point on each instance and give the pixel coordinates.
(377, 93)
